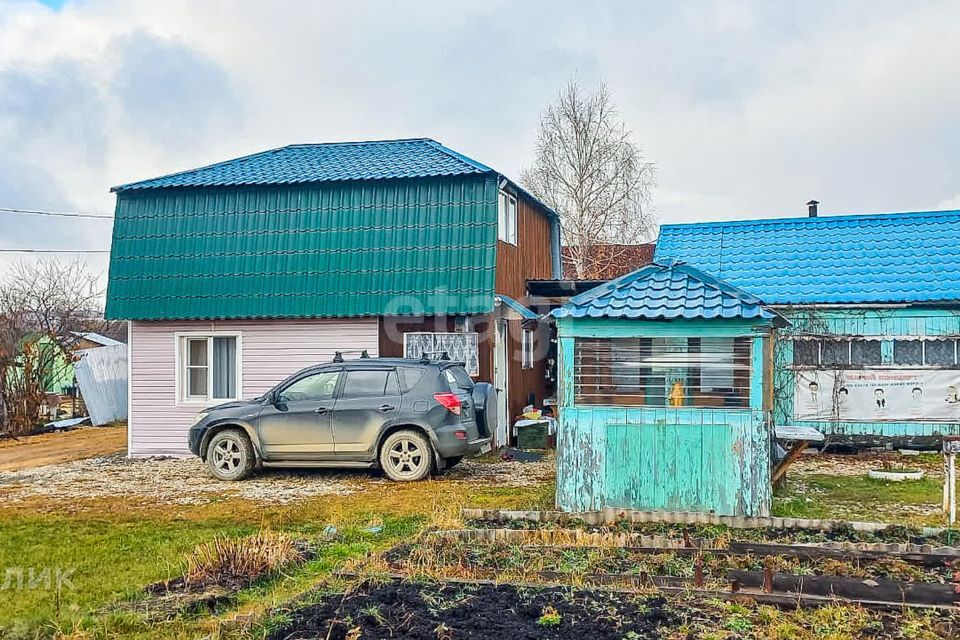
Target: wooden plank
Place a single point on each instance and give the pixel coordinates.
(795, 452)
(611, 516)
(803, 551)
(541, 538)
(854, 588)
(618, 328)
(883, 323)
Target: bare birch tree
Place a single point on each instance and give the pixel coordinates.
(43, 307)
(588, 169)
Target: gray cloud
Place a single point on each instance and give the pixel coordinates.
(52, 108)
(171, 92)
(748, 108)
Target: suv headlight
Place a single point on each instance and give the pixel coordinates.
(200, 417)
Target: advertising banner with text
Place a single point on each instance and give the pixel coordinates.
(876, 395)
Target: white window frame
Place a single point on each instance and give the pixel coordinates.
(507, 218)
(849, 339)
(924, 340)
(526, 348)
(180, 341)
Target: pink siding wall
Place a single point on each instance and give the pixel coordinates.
(271, 350)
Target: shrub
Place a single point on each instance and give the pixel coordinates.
(226, 560)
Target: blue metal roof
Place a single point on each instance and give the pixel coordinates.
(665, 290)
(866, 259)
(325, 162)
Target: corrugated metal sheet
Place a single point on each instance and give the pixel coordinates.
(270, 351)
(102, 378)
(663, 291)
(325, 162)
(98, 338)
(522, 311)
(880, 258)
(339, 249)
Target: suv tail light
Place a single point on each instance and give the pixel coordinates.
(449, 401)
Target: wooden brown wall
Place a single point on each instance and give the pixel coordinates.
(530, 259)
(392, 330)
(523, 382)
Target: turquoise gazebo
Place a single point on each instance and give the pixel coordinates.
(665, 395)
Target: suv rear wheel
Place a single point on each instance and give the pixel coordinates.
(406, 456)
(230, 455)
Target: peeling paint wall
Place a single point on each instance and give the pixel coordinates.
(677, 459)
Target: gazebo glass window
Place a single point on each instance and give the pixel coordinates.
(662, 372)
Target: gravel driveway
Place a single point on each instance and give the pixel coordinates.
(187, 482)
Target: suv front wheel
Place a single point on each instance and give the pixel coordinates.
(406, 456)
(230, 455)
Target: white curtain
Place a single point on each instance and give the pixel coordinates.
(225, 367)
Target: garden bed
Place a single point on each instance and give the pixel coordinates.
(450, 559)
(439, 611)
(419, 610)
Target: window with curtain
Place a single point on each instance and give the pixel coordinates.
(840, 353)
(208, 369)
(937, 352)
(663, 372)
(526, 352)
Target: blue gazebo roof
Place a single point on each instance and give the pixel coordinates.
(666, 290)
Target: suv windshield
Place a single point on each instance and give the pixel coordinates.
(458, 379)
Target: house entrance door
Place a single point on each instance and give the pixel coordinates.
(501, 355)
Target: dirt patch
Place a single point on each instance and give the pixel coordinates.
(432, 612)
(54, 448)
(454, 611)
(186, 481)
(860, 464)
(505, 473)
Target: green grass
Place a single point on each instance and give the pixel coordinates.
(104, 560)
(113, 549)
(861, 498)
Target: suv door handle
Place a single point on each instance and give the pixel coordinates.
(387, 407)
(321, 410)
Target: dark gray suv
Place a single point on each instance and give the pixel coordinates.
(407, 417)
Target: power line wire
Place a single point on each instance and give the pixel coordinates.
(59, 214)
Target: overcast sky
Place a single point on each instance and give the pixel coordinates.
(748, 109)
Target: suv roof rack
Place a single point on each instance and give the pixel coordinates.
(425, 356)
(338, 355)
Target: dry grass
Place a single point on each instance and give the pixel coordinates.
(128, 542)
(225, 560)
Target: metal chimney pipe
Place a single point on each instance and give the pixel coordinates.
(812, 208)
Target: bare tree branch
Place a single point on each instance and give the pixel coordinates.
(43, 307)
(588, 170)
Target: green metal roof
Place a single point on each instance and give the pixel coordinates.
(325, 162)
(413, 246)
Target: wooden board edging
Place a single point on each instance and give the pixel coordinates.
(920, 555)
(612, 516)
